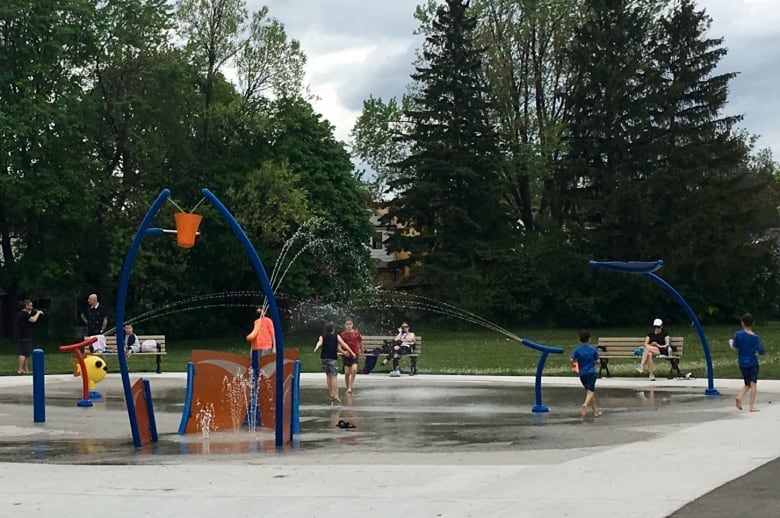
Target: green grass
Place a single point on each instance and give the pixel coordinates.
(471, 352)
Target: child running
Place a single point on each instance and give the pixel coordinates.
(332, 344)
(748, 346)
(585, 356)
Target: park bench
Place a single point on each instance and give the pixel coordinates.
(159, 353)
(373, 346)
(624, 347)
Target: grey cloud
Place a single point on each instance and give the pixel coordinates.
(325, 26)
(387, 79)
(355, 17)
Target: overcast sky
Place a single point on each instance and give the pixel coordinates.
(358, 48)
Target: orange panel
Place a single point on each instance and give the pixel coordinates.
(222, 388)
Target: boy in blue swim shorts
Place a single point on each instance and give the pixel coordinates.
(584, 358)
(748, 346)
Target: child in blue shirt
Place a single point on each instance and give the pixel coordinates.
(748, 346)
(585, 356)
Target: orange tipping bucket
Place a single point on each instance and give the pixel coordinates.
(187, 225)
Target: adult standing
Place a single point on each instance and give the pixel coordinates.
(25, 319)
(96, 321)
(354, 341)
(656, 344)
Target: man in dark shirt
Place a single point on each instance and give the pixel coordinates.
(94, 317)
(96, 321)
(24, 323)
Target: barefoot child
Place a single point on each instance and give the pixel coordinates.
(585, 356)
(748, 347)
(331, 345)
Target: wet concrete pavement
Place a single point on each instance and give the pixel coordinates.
(421, 446)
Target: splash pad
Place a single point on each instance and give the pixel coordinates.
(138, 397)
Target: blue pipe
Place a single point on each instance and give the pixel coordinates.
(272, 308)
(711, 390)
(124, 281)
(539, 407)
(648, 269)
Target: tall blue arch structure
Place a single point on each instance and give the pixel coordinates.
(144, 230)
(648, 269)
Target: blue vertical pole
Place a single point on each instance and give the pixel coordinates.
(295, 419)
(253, 409)
(39, 391)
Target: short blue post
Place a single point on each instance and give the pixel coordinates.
(295, 419)
(39, 392)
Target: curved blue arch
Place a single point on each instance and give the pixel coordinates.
(539, 407)
(272, 308)
(124, 280)
(644, 268)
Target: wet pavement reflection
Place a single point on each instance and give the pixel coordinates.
(383, 417)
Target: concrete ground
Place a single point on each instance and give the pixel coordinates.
(448, 446)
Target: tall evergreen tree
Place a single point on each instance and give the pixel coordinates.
(450, 185)
(718, 208)
(609, 133)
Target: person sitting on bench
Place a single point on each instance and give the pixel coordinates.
(404, 344)
(132, 343)
(656, 344)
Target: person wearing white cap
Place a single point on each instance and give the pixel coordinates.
(656, 344)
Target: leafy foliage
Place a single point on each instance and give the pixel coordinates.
(105, 104)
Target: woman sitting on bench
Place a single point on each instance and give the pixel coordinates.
(404, 344)
(656, 344)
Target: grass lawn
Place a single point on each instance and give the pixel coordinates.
(480, 351)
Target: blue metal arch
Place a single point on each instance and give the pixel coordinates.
(124, 280)
(648, 269)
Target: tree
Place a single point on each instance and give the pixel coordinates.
(377, 142)
(450, 186)
(526, 67)
(609, 135)
(43, 187)
(220, 33)
(700, 152)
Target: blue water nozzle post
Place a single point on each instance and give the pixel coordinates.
(539, 407)
(648, 269)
